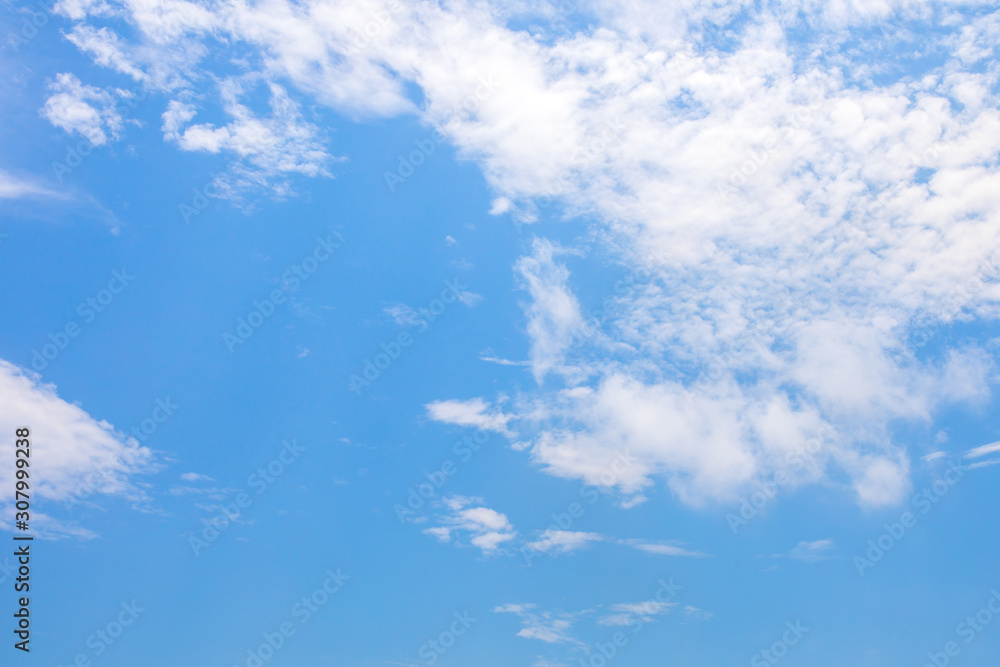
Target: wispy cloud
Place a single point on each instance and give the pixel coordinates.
(812, 552)
(93, 459)
(549, 627)
(268, 148)
(472, 412)
(662, 549)
(983, 450)
(12, 187)
(556, 542)
(628, 614)
(554, 313)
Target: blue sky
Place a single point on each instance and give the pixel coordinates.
(624, 333)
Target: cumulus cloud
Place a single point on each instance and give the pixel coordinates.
(80, 109)
(74, 457)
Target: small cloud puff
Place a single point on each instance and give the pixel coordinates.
(811, 552)
(484, 528)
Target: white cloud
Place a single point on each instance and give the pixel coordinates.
(404, 315)
(545, 662)
(504, 362)
(267, 147)
(74, 457)
(551, 630)
(881, 481)
(549, 627)
(699, 442)
(441, 532)
(213, 492)
(500, 206)
(983, 450)
(563, 541)
(554, 313)
(45, 526)
(470, 299)
(513, 608)
(105, 47)
(195, 477)
(806, 216)
(177, 115)
(695, 612)
(81, 109)
(628, 614)
(12, 187)
(812, 552)
(473, 412)
(663, 549)
(466, 518)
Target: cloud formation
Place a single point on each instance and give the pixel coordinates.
(12, 187)
(812, 552)
(474, 412)
(563, 541)
(74, 457)
(468, 519)
(802, 208)
(630, 613)
(272, 146)
(549, 627)
(84, 110)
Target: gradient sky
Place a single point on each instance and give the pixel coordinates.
(503, 334)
